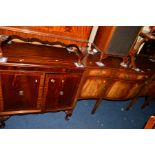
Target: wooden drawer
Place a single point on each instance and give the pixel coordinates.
(123, 90)
(130, 76)
(100, 72)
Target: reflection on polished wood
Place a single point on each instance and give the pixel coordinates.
(39, 77)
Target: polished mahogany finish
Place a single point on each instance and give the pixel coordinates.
(111, 82)
(67, 34)
(60, 90)
(38, 78)
(47, 71)
(20, 90)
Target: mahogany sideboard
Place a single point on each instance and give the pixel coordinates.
(39, 74)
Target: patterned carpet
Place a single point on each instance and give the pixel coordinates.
(109, 115)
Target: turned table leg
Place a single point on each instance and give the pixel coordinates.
(146, 103)
(98, 101)
(132, 102)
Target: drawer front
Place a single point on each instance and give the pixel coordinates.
(120, 90)
(120, 74)
(130, 76)
(100, 72)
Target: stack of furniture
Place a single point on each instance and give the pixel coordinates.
(48, 69)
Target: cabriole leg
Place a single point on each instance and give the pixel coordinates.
(2, 121)
(68, 115)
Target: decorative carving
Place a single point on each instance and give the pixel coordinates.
(2, 39)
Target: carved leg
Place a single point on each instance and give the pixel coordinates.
(2, 121)
(68, 114)
(98, 101)
(2, 124)
(132, 102)
(146, 103)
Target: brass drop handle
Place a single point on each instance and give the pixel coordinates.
(61, 92)
(36, 81)
(21, 93)
(63, 81)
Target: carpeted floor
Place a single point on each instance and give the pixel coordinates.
(109, 115)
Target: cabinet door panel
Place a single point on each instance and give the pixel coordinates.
(93, 87)
(149, 89)
(123, 90)
(20, 92)
(68, 91)
(53, 84)
(60, 90)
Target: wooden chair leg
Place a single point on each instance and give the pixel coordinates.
(146, 103)
(132, 102)
(98, 101)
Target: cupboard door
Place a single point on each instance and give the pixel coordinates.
(123, 90)
(149, 89)
(60, 91)
(68, 91)
(19, 91)
(52, 90)
(93, 87)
